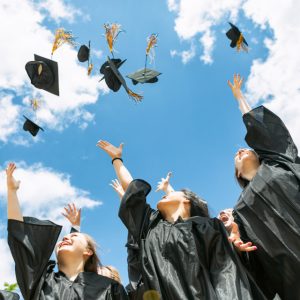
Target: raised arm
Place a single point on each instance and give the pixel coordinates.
(115, 184)
(115, 154)
(237, 93)
(13, 206)
(73, 215)
(164, 185)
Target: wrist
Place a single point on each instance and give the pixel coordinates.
(115, 159)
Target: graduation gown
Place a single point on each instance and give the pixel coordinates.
(187, 260)
(5, 295)
(268, 210)
(31, 243)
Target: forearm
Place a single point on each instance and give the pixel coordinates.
(122, 173)
(13, 206)
(169, 189)
(243, 104)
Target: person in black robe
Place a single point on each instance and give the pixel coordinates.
(183, 253)
(268, 210)
(32, 241)
(6, 295)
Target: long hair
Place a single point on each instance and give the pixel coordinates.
(92, 263)
(198, 206)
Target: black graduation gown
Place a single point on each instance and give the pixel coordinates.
(187, 260)
(31, 243)
(268, 210)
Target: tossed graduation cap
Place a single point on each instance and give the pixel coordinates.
(31, 127)
(144, 76)
(43, 74)
(114, 78)
(237, 38)
(83, 53)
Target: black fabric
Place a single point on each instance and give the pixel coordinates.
(5, 295)
(234, 34)
(268, 210)
(31, 127)
(189, 259)
(31, 243)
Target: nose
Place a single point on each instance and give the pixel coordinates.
(66, 237)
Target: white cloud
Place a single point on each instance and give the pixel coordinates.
(273, 81)
(23, 35)
(43, 193)
(197, 18)
(186, 55)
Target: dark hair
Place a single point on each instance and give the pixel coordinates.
(92, 263)
(198, 206)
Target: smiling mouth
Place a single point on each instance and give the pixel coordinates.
(224, 218)
(64, 244)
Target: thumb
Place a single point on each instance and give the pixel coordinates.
(121, 146)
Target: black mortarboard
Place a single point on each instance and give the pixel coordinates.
(43, 73)
(5, 295)
(111, 79)
(235, 35)
(83, 53)
(31, 127)
(144, 76)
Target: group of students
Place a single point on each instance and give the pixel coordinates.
(178, 252)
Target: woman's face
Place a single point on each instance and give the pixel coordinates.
(173, 198)
(73, 244)
(244, 160)
(226, 217)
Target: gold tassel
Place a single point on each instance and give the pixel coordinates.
(90, 68)
(111, 33)
(240, 45)
(61, 37)
(152, 41)
(134, 96)
(35, 103)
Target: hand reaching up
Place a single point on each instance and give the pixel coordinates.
(110, 149)
(115, 184)
(72, 214)
(236, 86)
(12, 183)
(164, 184)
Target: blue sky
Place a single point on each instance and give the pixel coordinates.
(187, 123)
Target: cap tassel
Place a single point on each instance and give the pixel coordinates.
(61, 37)
(240, 45)
(90, 68)
(134, 96)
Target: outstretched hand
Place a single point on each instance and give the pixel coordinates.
(110, 149)
(12, 183)
(72, 214)
(164, 184)
(236, 86)
(115, 184)
(235, 238)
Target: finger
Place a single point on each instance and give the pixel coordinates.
(67, 211)
(121, 146)
(79, 214)
(70, 208)
(249, 249)
(230, 84)
(74, 207)
(241, 81)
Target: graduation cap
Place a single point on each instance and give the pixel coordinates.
(144, 76)
(114, 78)
(236, 37)
(43, 73)
(83, 53)
(31, 127)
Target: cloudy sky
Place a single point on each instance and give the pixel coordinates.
(187, 123)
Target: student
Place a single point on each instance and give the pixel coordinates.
(6, 295)
(32, 241)
(268, 210)
(74, 216)
(183, 253)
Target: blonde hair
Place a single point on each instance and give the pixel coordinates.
(112, 272)
(92, 263)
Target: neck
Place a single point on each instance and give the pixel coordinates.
(249, 175)
(71, 268)
(173, 213)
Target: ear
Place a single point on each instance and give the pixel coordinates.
(185, 201)
(88, 252)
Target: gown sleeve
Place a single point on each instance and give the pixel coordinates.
(118, 292)
(31, 244)
(268, 136)
(134, 210)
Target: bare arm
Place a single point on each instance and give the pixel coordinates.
(237, 93)
(13, 206)
(73, 215)
(122, 172)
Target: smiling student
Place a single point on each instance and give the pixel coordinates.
(32, 242)
(182, 252)
(268, 210)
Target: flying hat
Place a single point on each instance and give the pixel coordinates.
(31, 127)
(83, 53)
(144, 76)
(43, 74)
(236, 37)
